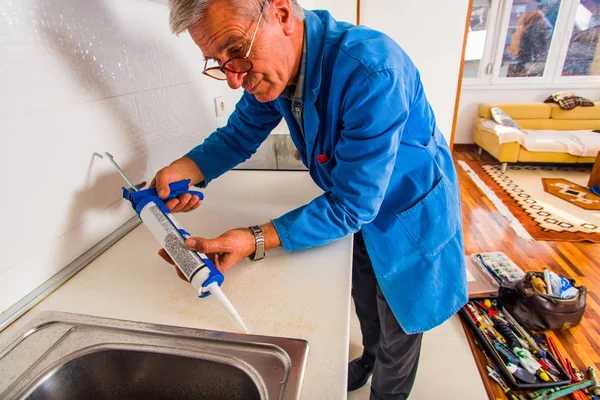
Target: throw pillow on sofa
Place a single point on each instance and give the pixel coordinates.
(568, 101)
(503, 118)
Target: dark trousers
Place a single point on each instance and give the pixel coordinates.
(394, 354)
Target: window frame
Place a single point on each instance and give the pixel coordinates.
(490, 39)
(498, 20)
(568, 31)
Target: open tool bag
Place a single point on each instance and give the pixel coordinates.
(519, 356)
(542, 311)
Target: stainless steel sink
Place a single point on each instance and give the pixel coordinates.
(71, 356)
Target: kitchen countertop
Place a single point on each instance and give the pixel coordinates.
(302, 295)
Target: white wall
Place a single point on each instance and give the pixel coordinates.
(79, 78)
(342, 10)
(470, 99)
(432, 33)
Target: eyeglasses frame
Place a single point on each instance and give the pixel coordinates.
(223, 67)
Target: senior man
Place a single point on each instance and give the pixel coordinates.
(357, 113)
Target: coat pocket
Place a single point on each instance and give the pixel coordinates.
(434, 220)
(324, 172)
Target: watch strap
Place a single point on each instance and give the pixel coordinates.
(259, 239)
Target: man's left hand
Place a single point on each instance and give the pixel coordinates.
(227, 249)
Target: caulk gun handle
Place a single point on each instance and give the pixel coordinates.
(142, 197)
(178, 188)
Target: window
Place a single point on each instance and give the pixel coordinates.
(583, 54)
(528, 37)
(476, 38)
(541, 42)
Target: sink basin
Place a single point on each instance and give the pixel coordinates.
(112, 374)
(71, 356)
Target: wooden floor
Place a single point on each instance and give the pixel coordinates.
(486, 230)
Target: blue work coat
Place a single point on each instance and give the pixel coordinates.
(388, 169)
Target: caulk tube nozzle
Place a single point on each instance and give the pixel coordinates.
(216, 290)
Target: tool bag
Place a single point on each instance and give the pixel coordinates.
(541, 311)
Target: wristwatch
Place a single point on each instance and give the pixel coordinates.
(259, 254)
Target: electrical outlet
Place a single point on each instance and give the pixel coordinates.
(219, 106)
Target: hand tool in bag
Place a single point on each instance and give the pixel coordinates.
(532, 342)
(492, 373)
(511, 339)
(505, 353)
(483, 322)
(550, 368)
(557, 393)
(547, 280)
(572, 371)
(595, 390)
(538, 285)
(487, 309)
(197, 268)
(501, 327)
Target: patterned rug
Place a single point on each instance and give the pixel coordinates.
(535, 214)
(572, 192)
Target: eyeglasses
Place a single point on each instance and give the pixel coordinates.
(238, 64)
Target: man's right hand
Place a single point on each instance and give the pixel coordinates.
(179, 170)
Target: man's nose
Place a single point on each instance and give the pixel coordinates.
(235, 79)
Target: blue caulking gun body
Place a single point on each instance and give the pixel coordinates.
(198, 269)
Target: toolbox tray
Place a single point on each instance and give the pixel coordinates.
(484, 346)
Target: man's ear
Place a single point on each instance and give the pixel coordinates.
(283, 14)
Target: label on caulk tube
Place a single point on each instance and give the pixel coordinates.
(187, 261)
(167, 233)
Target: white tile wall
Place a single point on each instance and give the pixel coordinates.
(176, 118)
(79, 78)
(47, 158)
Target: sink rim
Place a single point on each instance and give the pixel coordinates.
(295, 351)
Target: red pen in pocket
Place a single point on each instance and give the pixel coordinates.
(322, 158)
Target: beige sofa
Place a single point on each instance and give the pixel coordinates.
(538, 117)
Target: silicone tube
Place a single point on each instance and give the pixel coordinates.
(165, 228)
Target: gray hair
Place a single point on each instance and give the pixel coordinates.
(185, 14)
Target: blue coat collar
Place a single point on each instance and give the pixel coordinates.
(315, 36)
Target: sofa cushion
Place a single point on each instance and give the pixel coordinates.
(502, 118)
(559, 124)
(517, 110)
(578, 113)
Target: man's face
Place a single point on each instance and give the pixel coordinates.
(224, 34)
